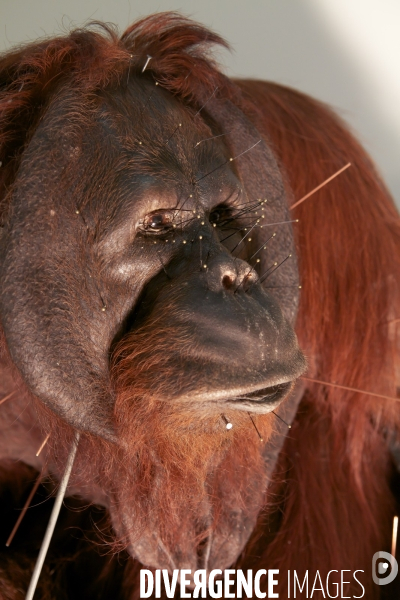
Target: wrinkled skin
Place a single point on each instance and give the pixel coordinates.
(118, 232)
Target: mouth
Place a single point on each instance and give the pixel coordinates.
(261, 401)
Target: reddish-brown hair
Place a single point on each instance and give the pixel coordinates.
(335, 464)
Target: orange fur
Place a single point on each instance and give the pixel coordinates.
(338, 505)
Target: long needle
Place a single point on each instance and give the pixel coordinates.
(25, 508)
(42, 445)
(320, 186)
(6, 397)
(280, 418)
(394, 535)
(256, 428)
(53, 519)
(350, 389)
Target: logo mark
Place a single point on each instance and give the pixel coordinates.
(389, 560)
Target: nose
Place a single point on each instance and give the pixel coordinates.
(227, 274)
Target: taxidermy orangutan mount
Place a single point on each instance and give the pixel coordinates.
(149, 291)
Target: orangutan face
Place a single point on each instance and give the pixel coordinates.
(132, 306)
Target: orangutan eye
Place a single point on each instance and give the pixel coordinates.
(220, 215)
(159, 221)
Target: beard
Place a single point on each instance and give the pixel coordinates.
(193, 488)
(183, 492)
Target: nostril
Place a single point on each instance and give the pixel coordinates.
(233, 275)
(228, 281)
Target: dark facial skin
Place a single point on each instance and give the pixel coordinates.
(127, 206)
(129, 225)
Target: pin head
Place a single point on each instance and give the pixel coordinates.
(228, 424)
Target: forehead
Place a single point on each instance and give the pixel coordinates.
(158, 135)
(144, 108)
(107, 150)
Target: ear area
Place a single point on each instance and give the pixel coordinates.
(27, 79)
(31, 76)
(262, 180)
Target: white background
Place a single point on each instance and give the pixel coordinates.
(344, 52)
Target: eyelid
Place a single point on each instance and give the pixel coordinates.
(162, 214)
